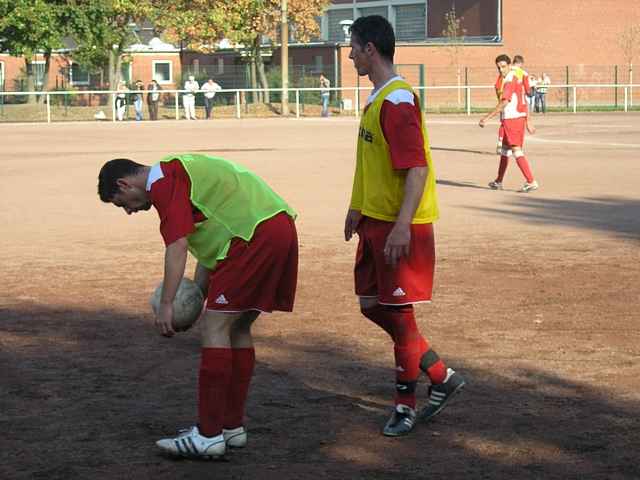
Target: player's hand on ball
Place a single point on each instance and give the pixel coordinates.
(164, 319)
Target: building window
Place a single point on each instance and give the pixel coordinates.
(2, 76)
(334, 17)
(125, 72)
(367, 11)
(38, 72)
(480, 20)
(220, 70)
(318, 64)
(162, 71)
(77, 75)
(420, 21)
(411, 22)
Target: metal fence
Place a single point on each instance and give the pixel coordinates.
(100, 105)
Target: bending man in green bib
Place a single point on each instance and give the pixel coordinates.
(243, 236)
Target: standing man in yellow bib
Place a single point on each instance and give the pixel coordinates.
(393, 207)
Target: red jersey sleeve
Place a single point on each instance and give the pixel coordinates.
(402, 128)
(170, 195)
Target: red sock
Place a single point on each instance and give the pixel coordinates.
(377, 315)
(434, 367)
(408, 349)
(504, 163)
(244, 360)
(407, 359)
(525, 168)
(213, 386)
(437, 372)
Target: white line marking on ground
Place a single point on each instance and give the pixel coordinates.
(606, 126)
(580, 142)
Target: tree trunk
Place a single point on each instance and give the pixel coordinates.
(47, 66)
(115, 65)
(31, 99)
(260, 66)
(45, 80)
(255, 96)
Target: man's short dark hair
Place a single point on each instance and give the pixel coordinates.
(378, 31)
(518, 59)
(111, 172)
(503, 58)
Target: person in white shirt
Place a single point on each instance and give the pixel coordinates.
(121, 101)
(325, 94)
(189, 98)
(209, 88)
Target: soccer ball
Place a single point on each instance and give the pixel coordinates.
(187, 305)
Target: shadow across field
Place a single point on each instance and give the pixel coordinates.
(95, 388)
(451, 183)
(617, 215)
(464, 150)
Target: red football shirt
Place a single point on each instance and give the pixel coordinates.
(401, 123)
(170, 195)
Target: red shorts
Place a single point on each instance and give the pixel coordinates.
(513, 131)
(260, 274)
(410, 281)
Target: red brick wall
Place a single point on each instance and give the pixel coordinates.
(14, 66)
(142, 67)
(548, 33)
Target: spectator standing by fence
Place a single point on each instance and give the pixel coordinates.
(541, 93)
(189, 98)
(153, 98)
(121, 101)
(137, 99)
(325, 94)
(531, 96)
(210, 88)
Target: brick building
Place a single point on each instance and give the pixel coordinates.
(141, 61)
(574, 41)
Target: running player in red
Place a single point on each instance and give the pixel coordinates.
(244, 238)
(393, 207)
(513, 111)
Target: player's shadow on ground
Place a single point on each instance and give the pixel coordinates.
(450, 183)
(464, 150)
(618, 215)
(95, 388)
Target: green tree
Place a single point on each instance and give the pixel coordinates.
(200, 24)
(103, 30)
(29, 27)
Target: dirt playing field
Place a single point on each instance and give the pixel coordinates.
(536, 304)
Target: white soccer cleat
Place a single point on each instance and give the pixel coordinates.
(529, 187)
(495, 185)
(235, 438)
(193, 445)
